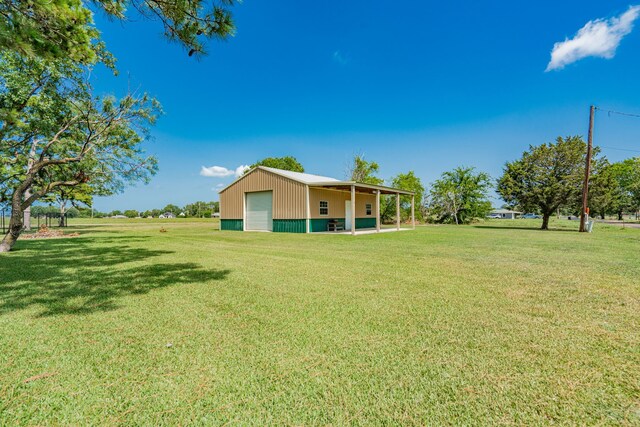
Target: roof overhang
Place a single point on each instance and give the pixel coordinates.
(362, 187)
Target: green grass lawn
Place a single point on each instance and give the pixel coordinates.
(492, 324)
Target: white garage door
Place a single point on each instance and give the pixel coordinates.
(259, 211)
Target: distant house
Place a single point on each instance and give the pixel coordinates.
(167, 215)
(119, 216)
(505, 213)
(269, 199)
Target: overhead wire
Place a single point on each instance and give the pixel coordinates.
(620, 113)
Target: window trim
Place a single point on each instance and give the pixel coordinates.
(368, 209)
(320, 208)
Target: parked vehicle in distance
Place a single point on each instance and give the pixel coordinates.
(530, 216)
(494, 216)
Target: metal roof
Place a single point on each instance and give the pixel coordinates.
(305, 178)
(320, 181)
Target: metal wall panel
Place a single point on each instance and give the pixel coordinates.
(288, 195)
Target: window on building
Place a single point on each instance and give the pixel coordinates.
(368, 207)
(324, 207)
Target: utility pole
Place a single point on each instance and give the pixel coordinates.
(587, 172)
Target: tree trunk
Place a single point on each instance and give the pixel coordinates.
(619, 215)
(63, 209)
(27, 193)
(545, 221)
(15, 226)
(27, 214)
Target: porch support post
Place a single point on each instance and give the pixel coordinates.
(308, 210)
(398, 211)
(413, 211)
(378, 211)
(353, 210)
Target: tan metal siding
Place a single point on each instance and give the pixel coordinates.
(288, 195)
(337, 201)
(361, 208)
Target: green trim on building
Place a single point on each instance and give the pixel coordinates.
(320, 224)
(290, 225)
(365, 223)
(231, 224)
(297, 225)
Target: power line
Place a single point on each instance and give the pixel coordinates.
(619, 149)
(620, 113)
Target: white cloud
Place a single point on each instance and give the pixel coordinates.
(216, 171)
(598, 38)
(240, 170)
(221, 171)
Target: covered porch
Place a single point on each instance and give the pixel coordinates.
(360, 191)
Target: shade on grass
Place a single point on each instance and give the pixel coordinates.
(499, 323)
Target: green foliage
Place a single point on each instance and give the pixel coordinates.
(460, 196)
(53, 211)
(40, 210)
(55, 136)
(627, 177)
(287, 163)
(604, 192)
(404, 181)
(410, 182)
(72, 213)
(131, 213)
(201, 209)
(64, 29)
(48, 29)
(547, 177)
(364, 171)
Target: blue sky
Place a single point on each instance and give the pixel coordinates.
(423, 86)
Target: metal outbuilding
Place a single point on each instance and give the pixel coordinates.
(269, 199)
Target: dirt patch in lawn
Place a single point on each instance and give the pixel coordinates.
(47, 233)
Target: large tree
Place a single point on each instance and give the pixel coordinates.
(546, 177)
(288, 163)
(54, 133)
(627, 176)
(361, 170)
(460, 195)
(64, 29)
(404, 181)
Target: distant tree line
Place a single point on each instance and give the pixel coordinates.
(198, 209)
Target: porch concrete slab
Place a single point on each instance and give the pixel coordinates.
(363, 231)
